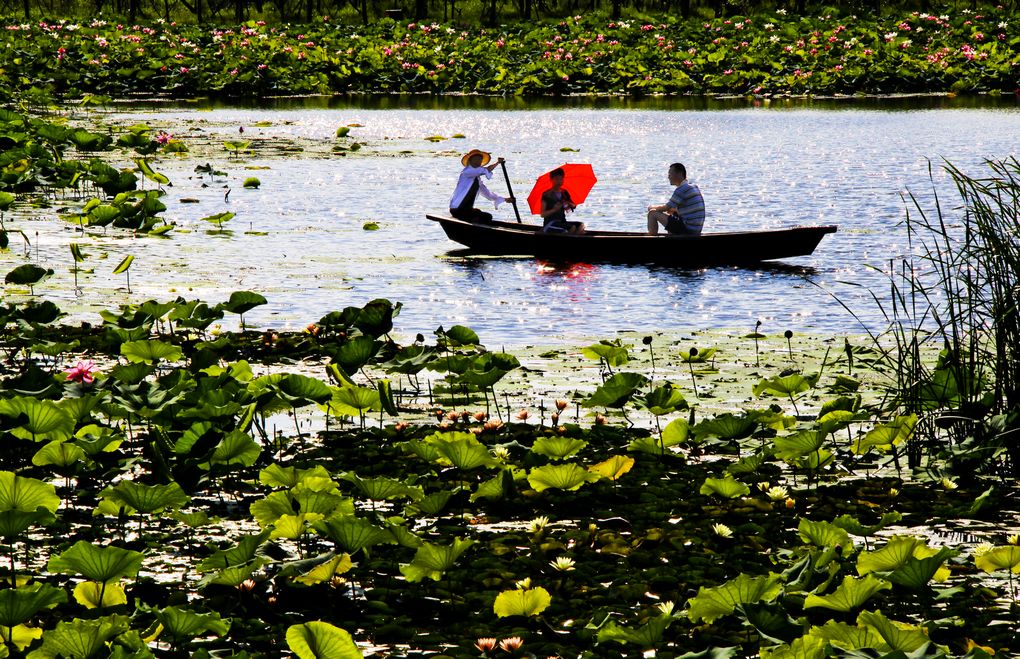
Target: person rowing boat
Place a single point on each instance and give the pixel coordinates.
(469, 186)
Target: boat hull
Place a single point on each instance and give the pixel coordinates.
(705, 250)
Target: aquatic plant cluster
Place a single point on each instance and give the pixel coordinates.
(154, 501)
(762, 54)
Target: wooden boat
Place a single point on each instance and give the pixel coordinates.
(705, 250)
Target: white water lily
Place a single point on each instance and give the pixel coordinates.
(722, 530)
(1013, 539)
(563, 563)
(666, 607)
(778, 493)
(983, 549)
(949, 483)
(538, 524)
(501, 453)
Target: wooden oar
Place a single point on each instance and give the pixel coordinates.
(510, 190)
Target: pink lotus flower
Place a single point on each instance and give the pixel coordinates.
(485, 644)
(511, 644)
(82, 372)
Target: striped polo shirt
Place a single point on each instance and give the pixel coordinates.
(689, 205)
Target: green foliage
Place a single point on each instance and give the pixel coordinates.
(100, 564)
(617, 390)
(712, 603)
(522, 602)
(136, 497)
(321, 640)
(432, 560)
(567, 476)
(851, 595)
(727, 487)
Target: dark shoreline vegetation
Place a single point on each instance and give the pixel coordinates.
(762, 54)
(167, 490)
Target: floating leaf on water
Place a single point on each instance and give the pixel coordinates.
(850, 595)
(252, 183)
(370, 226)
(343, 131)
(558, 447)
(727, 487)
(647, 635)
(1000, 558)
(28, 274)
(614, 467)
(432, 561)
(435, 138)
(457, 136)
(321, 640)
(568, 149)
(560, 477)
(522, 602)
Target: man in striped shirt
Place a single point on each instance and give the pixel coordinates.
(684, 213)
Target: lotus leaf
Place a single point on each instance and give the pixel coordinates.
(6, 199)
(241, 302)
(697, 355)
(184, 624)
(728, 487)
(150, 352)
(567, 476)
(614, 353)
(805, 647)
(1000, 558)
(145, 499)
(432, 560)
(252, 183)
(725, 427)
(434, 503)
(884, 437)
(785, 385)
(95, 595)
(894, 555)
(100, 564)
(321, 640)
(21, 636)
(355, 353)
(617, 390)
(522, 602)
(648, 635)
(664, 400)
(18, 605)
(276, 476)
(825, 534)
(712, 603)
(799, 444)
(79, 638)
(146, 169)
(233, 576)
(675, 433)
(916, 573)
(498, 487)
(771, 621)
(245, 551)
(304, 498)
(236, 448)
(352, 534)
(850, 595)
(613, 468)
(749, 464)
(382, 488)
(24, 502)
(292, 527)
(845, 637)
(44, 418)
(900, 636)
(458, 335)
(326, 571)
(124, 265)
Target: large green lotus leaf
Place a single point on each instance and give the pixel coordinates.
(783, 385)
(233, 576)
(749, 464)
(146, 498)
(771, 621)
(711, 603)
(185, 624)
(150, 352)
(725, 427)
(79, 638)
(884, 437)
(853, 525)
(321, 640)
(890, 557)
(101, 216)
(376, 317)
(242, 302)
(96, 563)
(427, 451)
(197, 432)
(236, 448)
(648, 635)
(805, 647)
(354, 401)
(824, 534)
(352, 534)
(916, 573)
(314, 495)
(850, 595)
(292, 527)
(499, 486)
(613, 467)
(617, 390)
(6, 199)
(355, 353)
(148, 172)
(434, 503)
(433, 560)
(382, 488)
(846, 637)
(466, 454)
(411, 359)
(561, 477)
(18, 605)
(458, 335)
(15, 522)
(58, 454)
(272, 508)
(675, 433)
(276, 476)
(834, 420)
(799, 444)
(1000, 558)
(27, 275)
(326, 571)
(95, 595)
(614, 353)
(81, 408)
(22, 494)
(699, 356)
(558, 447)
(522, 602)
(727, 487)
(246, 550)
(21, 636)
(664, 400)
(303, 388)
(46, 419)
(898, 635)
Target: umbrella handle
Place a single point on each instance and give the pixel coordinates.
(510, 190)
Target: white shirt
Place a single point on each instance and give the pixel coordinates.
(467, 177)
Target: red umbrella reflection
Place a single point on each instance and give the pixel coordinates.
(578, 180)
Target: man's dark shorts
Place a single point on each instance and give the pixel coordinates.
(561, 227)
(677, 227)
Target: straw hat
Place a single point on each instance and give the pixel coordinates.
(476, 152)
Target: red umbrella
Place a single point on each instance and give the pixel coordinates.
(578, 180)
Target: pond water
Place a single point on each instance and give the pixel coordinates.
(758, 167)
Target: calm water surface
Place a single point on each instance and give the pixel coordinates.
(757, 167)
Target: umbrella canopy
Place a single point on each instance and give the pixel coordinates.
(578, 180)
